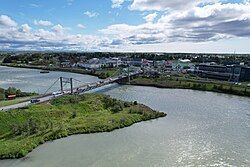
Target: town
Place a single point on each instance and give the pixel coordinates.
(231, 68)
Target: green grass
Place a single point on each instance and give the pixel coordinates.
(15, 101)
(195, 84)
(105, 73)
(24, 129)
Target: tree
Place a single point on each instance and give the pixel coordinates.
(11, 91)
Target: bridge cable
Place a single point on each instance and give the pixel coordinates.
(51, 86)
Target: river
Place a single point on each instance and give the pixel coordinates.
(31, 80)
(201, 129)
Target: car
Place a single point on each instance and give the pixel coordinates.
(56, 93)
(34, 100)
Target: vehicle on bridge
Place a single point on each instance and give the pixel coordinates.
(56, 94)
(34, 100)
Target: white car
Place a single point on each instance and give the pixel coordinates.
(56, 93)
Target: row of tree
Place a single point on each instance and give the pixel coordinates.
(73, 57)
(13, 91)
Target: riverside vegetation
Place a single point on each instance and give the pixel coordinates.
(178, 82)
(22, 130)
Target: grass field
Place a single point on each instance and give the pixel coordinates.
(105, 73)
(24, 129)
(191, 83)
(15, 101)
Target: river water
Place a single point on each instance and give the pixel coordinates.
(32, 80)
(201, 129)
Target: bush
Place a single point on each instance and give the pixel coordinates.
(74, 114)
(126, 104)
(135, 103)
(109, 102)
(117, 108)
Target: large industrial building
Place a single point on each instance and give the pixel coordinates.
(234, 73)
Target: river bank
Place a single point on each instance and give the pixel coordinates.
(177, 83)
(24, 129)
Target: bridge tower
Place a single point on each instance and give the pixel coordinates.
(66, 81)
(128, 75)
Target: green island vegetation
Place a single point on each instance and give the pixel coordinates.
(20, 96)
(23, 129)
(192, 82)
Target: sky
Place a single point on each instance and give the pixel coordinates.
(197, 26)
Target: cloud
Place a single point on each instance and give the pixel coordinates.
(91, 14)
(55, 38)
(25, 28)
(150, 17)
(159, 5)
(58, 29)
(81, 26)
(210, 22)
(117, 3)
(7, 21)
(70, 2)
(43, 23)
(33, 5)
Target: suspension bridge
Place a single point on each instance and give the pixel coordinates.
(80, 89)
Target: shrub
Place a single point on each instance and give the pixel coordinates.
(17, 129)
(33, 126)
(126, 104)
(135, 103)
(74, 114)
(117, 108)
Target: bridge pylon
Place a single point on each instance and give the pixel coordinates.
(66, 81)
(128, 75)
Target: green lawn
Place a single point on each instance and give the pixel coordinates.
(24, 129)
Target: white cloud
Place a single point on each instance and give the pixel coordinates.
(7, 21)
(210, 22)
(150, 17)
(91, 14)
(81, 26)
(143, 5)
(34, 5)
(117, 3)
(43, 23)
(58, 28)
(70, 2)
(25, 28)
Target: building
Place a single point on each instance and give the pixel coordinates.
(233, 73)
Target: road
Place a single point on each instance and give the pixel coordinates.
(26, 103)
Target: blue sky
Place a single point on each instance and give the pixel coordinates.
(126, 25)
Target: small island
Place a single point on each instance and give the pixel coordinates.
(23, 129)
